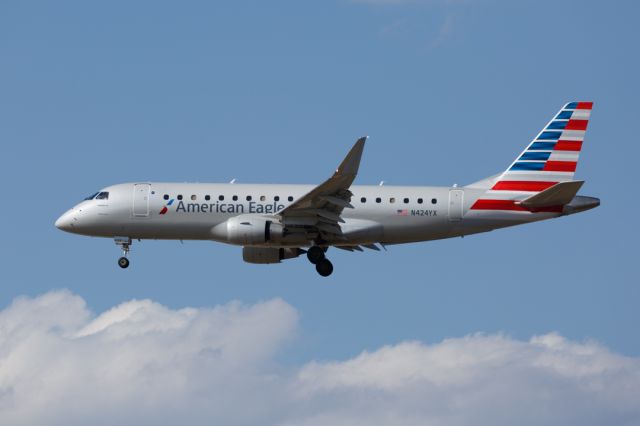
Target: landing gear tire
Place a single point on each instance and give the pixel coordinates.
(123, 262)
(324, 267)
(125, 244)
(315, 254)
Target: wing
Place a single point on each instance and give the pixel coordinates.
(318, 212)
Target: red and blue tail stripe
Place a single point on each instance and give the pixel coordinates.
(551, 157)
(557, 146)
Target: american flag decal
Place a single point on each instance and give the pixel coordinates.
(404, 212)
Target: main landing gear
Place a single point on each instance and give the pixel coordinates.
(125, 244)
(316, 256)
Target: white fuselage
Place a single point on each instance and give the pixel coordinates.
(380, 214)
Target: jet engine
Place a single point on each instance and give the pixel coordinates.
(269, 255)
(256, 230)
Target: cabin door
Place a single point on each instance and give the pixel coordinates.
(141, 199)
(456, 204)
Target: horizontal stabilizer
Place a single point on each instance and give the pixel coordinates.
(558, 195)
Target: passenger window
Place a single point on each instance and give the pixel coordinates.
(193, 198)
(420, 200)
(221, 197)
(434, 201)
(290, 198)
(276, 198)
(392, 200)
(363, 200)
(406, 201)
(179, 197)
(378, 200)
(248, 197)
(263, 198)
(166, 196)
(102, 196)
(207, 197)
(234, 198)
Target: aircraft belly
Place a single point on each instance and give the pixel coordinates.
(184, 228)
(399, 229)
(402, 234)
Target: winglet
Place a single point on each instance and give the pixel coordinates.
(351, 162)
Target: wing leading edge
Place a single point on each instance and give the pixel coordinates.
(319, 210)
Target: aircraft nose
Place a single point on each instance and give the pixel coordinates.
(66, 221)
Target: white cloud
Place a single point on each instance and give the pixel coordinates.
(143, 363)
(139, 362)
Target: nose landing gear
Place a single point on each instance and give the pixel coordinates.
(316, 255)
(123, 262)
(125, 244)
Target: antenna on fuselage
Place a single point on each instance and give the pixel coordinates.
(233, 181)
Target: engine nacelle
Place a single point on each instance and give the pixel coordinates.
(248, 230)
(268, 255)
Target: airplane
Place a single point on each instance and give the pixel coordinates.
(273, 223)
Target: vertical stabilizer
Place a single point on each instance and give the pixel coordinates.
(550, 158)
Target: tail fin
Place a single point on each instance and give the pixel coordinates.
(550, 158)
(553, 154)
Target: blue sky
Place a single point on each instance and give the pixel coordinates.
(96, 93)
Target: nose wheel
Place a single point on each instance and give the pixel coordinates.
(125, 244)
(316, 255)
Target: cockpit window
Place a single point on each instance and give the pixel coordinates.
(92, 196)
(102, 196)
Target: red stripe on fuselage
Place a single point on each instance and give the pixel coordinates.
(497, 205)
(516, 185)
(560, 166)
(510, 205)
(568, 146)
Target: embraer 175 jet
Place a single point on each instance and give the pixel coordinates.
(277, 222)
